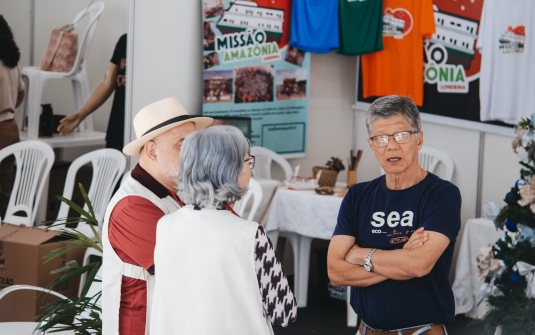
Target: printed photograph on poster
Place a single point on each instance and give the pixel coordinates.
(252, 72)
(291, 84)
(294, 55)
(208, 35)
(217, 86)
(253, 84)
(212, 8)
(211, 60)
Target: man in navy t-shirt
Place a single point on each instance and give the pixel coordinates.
(395, 235)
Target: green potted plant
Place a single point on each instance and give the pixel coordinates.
(79, 314)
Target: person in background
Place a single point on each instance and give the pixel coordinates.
(114, 81)
(11, 96)
(397, 287)
(129, 228)
(217, 272)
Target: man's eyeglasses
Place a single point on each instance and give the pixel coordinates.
(252, 161)
(380, 141)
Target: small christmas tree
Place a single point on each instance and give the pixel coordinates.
(508, 265)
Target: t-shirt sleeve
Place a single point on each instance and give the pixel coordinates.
(277, 296)
(443, 212)
(345, 224)
(132, 231)
(427, 23)
(21, 83)
(119, 52)
(482, 32)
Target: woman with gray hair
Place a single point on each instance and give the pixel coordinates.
(217, 273)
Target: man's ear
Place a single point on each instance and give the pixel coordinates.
(150, 150)
(420, 139)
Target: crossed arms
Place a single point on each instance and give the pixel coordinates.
(416, 259)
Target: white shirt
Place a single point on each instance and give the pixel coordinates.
(208, 281)
(507, 45)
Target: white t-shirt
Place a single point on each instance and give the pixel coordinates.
(507, 45)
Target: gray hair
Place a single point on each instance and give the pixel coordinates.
(391, 105)
(211, 161)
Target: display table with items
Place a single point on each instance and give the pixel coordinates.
(74, 139)
(300, 216)
(478, 233)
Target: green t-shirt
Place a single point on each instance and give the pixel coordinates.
(361, 26)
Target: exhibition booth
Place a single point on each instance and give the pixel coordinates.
(297, 78)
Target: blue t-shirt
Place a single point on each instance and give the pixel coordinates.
(314, 25)
(384, 219)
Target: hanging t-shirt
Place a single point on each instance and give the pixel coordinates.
(399, 67)
(115, 132)
(315, 25)
(507, 46)
(361, 26)
(382, 218)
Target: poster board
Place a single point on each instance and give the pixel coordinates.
(452, 67)
(250, 70)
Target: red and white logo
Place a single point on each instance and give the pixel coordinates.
(397, 22)
(512, 41)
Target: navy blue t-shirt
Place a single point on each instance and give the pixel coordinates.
(115, 132)
(384, 219)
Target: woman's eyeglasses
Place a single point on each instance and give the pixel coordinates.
(252, 161)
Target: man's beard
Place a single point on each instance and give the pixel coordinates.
(169, 168)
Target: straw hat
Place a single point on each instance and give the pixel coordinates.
(159, 117)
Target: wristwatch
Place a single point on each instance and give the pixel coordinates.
(367, 261)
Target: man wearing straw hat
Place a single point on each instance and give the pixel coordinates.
(129, 230)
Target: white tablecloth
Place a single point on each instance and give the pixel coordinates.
(478, 233)
(304, 212)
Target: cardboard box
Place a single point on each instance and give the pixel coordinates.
(21, 262)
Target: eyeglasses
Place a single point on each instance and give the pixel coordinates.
(252, 161)
(380, 141)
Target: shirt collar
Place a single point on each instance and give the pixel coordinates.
(145, 179)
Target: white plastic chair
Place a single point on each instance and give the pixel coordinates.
(255, 191)
(34, 160)
(264, 158)
(78, 76)
(108, 167)
(25, 328)
(429, 159)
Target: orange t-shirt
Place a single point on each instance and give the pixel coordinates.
(399, 67)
